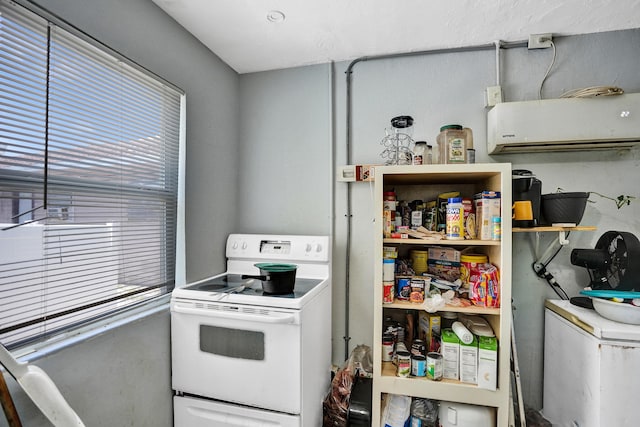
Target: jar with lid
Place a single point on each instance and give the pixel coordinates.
(448, 317)
(420, 153)
(453, 143)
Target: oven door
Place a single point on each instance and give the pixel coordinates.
(243, 354)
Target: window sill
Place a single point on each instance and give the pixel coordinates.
(70, 338)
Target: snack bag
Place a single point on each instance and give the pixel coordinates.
(484, 289)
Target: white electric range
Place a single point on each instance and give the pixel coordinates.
(242, 357)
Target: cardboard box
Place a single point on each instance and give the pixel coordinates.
(444, 262)
(450, 350)
(429, 330)
(441, 253)
(488, 362)
(469, 362)
(487, 204)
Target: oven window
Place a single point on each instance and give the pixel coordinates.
(235, 343)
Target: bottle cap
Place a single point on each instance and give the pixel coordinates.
(454, 200)
(455, 127)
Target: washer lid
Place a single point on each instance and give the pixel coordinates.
(590, 321)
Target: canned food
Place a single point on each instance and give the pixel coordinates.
(404, 289)
(418, 287)
(434, 366)
(418, 366)
(404, 364)
(418, 348)
(387, 347)
(387, 292)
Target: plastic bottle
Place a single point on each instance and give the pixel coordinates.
(428, 160)
(496, 228)
(453, 143)
(424, 413)
(455, 219)
(388, 270)
(396, 410)
(462, 332)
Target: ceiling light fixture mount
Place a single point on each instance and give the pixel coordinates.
(275, 16)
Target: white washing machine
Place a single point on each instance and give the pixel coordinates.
(591, 368)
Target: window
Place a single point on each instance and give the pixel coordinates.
(89, 147)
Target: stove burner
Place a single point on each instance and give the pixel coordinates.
(234, 284)
(209, 287)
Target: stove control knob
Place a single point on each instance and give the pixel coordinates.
(308, 248)
(244, 245)
(319, 248)
(235, 245)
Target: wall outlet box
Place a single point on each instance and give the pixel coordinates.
(493, 96)
(540, 41)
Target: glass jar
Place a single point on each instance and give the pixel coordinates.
(420, 153)
(453, 143)
(448, 317)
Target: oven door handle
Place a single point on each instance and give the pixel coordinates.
(273, 317)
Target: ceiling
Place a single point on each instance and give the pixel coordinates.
(319, 31)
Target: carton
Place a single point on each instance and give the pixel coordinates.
(487, 205)
(429, 330)
(469, 362)
(444, 262)
(487, 362)
(450, 350)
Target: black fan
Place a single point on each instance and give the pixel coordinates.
(614, 264)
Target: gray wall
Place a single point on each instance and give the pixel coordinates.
(120, 378)
(439, 89)
(123, 377)
(292, 122)
(285, 154)
(448, 88)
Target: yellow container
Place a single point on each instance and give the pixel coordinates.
(468, 263)
(419, 261)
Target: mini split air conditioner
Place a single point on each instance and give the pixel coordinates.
(564, 124)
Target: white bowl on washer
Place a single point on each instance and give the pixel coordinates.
(617, 311)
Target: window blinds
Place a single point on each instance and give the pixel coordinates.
(88, 180)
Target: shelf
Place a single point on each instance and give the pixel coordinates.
(427, 182)
(413, 241)
(406, 305)
(550, 228)
(445, 389)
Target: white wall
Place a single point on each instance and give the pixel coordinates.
(442, 89)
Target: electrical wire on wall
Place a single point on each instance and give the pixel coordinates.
(593, 91)
(588, 92)
(553, 61)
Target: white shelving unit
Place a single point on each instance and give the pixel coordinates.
(426, 182)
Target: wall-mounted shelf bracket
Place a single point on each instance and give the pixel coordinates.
(561, 239)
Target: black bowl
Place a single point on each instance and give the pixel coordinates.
(563, 208)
